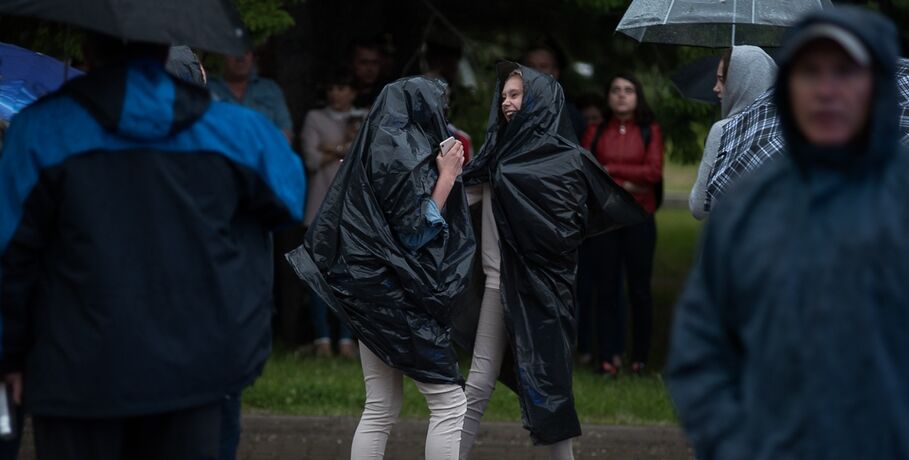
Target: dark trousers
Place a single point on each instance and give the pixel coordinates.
(230, 426)
(189, 434)
(603, 261)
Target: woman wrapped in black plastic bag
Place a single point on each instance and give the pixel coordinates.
(542, 195)
(390, 251)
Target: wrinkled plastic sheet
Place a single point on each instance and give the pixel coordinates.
(396, 301)
(548, 195)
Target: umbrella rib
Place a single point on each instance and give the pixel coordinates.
(666, 19)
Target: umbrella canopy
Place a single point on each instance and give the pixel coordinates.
(212, 25)
(25, 76)
(713, 23)
(696, 79)
(754, 136)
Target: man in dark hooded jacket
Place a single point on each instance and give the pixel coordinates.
(790, 339)
(135, 282)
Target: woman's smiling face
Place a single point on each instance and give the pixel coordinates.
(512, 96)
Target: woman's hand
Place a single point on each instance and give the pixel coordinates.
(451, 162)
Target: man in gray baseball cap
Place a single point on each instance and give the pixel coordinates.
(790, 339)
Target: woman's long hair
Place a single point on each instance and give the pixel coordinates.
(642, 113)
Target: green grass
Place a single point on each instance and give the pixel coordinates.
(678, 178)
(299, 385)
(296, 385)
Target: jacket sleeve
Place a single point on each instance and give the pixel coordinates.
(698, 197)
(704, 369)
(27, 210)
(649, 171)
(432, 224)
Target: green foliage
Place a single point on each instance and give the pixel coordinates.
(265, 18)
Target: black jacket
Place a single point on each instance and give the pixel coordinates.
(134, 220)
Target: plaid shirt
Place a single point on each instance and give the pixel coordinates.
(753, 137)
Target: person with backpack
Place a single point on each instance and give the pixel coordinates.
(629, 145)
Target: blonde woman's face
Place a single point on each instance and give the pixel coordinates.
(512, 96)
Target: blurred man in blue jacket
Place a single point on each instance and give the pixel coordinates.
(135, 284)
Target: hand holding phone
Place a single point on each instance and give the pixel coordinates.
(447, 144)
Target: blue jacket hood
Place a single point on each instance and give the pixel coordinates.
(881, 141)
(150, 104)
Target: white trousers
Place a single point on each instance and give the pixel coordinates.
(384, 395)
(491, 340)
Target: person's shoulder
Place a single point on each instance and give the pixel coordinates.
(235, 118)
(316, 115)
(716, 129)
(267, 84)
(43, 117)
(51, 105)
(217, 84)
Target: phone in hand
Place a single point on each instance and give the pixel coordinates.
(447, 144)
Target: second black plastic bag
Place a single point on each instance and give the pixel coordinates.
(548, 194)
(397, 301)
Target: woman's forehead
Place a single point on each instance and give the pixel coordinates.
(513, 82)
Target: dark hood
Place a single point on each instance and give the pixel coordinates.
(148, 103)
(882, 137)
(397, 300)
(543, 113)
(417, 102)
(548, 194)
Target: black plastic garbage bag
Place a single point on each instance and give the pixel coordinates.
(548, 195)
(396, 301)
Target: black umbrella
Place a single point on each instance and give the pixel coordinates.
(212, 25)
(696, 79)
(754, 137)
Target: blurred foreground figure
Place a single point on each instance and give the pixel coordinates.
(790, 340)
(135, 284)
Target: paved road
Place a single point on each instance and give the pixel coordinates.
(286, 438)
(268, 437)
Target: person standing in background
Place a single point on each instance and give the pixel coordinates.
(327, 136)
(545, 60)
(744, 73)
(240, 84)
(629, 145)
(366, 58)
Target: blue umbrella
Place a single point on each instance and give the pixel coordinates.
(25, 76)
